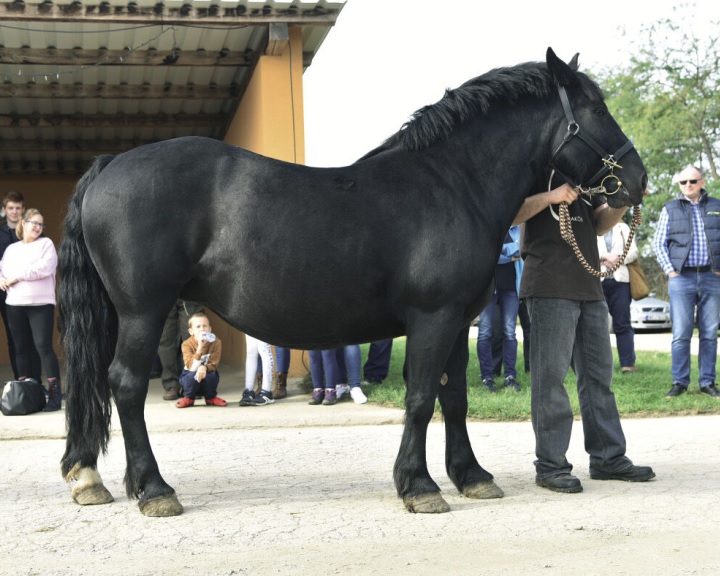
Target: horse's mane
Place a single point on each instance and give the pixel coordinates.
(435, 122)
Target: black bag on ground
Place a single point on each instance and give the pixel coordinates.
(21, 397)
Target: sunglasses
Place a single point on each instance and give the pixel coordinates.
(683, 182)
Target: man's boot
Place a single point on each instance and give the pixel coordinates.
(280, 390)
(54, 396)
(258, 383)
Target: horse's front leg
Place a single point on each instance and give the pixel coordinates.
(463, 469)
(129, 383)
(429, 340)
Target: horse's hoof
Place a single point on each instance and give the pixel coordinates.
(483, 490)
(431, 503)
(92, 495)
(162, 506)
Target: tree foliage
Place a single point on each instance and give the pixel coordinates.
(666, 100)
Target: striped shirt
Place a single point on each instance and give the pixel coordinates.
(698, 255)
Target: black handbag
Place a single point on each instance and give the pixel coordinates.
(21, 397)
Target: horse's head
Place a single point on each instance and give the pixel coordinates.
(590, 150)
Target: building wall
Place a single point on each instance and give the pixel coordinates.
(269, 121)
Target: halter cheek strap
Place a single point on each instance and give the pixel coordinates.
(610, 161)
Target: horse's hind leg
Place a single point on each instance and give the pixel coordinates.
(463, 469)
(428, 345)
(136, 348)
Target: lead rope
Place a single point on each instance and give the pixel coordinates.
(566, 232)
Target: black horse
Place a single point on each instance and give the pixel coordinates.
(404, 241)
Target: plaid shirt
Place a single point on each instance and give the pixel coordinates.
(698, 255)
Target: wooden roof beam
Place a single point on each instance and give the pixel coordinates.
(213, 14)
(37, 120)
(123, 91)
(78, 57)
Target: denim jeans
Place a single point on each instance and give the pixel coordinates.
(377, 365)
(567, 333)
(348, 361)
(323, 368)
(282, 358)
(686, 291)
(617, 296)
(207, 387)
(507, 301)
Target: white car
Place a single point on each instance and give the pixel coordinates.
(650, 314)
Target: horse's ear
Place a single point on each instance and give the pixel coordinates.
(564, 74)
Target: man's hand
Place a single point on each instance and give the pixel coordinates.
(564, 193)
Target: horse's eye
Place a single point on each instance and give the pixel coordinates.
(601, 110)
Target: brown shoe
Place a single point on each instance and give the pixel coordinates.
(280, 390)
(171, 393)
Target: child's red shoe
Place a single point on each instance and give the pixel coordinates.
(184, 402)
(217, 401)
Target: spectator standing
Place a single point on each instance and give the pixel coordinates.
(324, 374)
(13, 206)
(27, 275)
(377, 365)
(255, 348)
(616, 288)
(508, 273)
(282, 358)
(568, 325)
(687, 248)
(348, 362)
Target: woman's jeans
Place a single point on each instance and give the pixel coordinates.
(348, 362)
(567, 333)
(507, 301)
(282, 357)
(617, 296)
(323, 368)
(688, 291)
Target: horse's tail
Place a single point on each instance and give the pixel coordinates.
(87, 322)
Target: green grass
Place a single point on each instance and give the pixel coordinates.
(638, 395)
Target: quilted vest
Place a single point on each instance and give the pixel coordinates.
(680, 229)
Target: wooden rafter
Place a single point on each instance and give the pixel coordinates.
(112, 120)
(213, 14)
(78, 57)
(121, 91)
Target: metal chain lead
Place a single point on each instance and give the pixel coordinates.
(567, 234)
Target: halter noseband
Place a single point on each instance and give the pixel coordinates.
(610, 161)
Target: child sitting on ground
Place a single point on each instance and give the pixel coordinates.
(201, 356)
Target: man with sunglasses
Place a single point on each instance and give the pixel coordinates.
(687, 248)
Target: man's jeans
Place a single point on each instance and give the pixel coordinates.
(508, 302)
(688, 290)
(567, 333)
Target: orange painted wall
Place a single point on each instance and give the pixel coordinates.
(269, 121)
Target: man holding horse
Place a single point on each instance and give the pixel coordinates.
(568, 317)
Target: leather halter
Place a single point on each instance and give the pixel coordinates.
(610, 161)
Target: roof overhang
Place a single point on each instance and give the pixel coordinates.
(79, 79)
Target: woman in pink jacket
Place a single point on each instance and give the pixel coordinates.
(27, 274)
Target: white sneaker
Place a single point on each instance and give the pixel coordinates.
(358, 395)
(341, 390)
